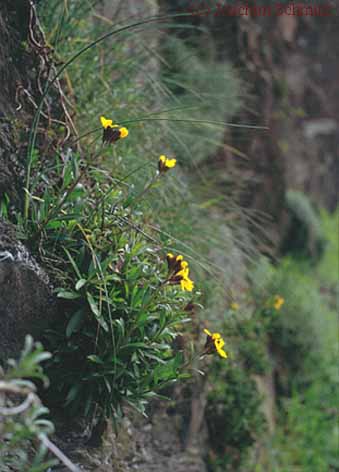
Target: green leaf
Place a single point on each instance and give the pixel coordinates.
(95, 310)
(121, 326)
(142, 318)
(74, 322)
(93, 305)
(80, 283)
(108, 386)
(135, 345)
(68, 295)
(95, 359)
(154, 357)
(75, 166)
(73, 393)
(54, 224)
(72, 261)
(168, 371)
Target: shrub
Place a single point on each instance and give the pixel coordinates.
(233, 416)
(307, 436)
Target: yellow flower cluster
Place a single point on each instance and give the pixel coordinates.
(112, 133)
(214, 343)
(278, 302)
(165, 164)
(178, 272)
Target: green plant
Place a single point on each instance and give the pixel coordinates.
(24, 429)
(120, 312)
(307, 436)
(328, 268)
(303, 348)
(301, 333)
(233, 416)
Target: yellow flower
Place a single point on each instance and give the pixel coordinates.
(214, 343)
(123, 132)
(175, 263)
(234, 306)
(164, 164)
(112, 132)
(278, 302)
(178, 272)
(187, 284)
(107, 123)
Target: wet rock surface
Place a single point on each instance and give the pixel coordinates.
(26, 302)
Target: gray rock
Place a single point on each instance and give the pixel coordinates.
(26, 301)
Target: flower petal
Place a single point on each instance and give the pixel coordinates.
(222, 353)
(187, 284)
(216, 336)
(123, 133)
(170, 163)
(106, 123)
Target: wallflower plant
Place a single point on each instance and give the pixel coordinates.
(118, 325)
(178, 272)
(165, 164)
(112, 132)
(118, 322)
(214, 344)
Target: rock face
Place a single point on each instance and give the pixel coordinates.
(25, 297)
(11, 69)
(154, 444)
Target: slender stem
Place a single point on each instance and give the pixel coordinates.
(59, 454)
(113, 186)
(183, 120)
(179, 120)
(146, 189)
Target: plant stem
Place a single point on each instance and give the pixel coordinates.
(146, 189)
